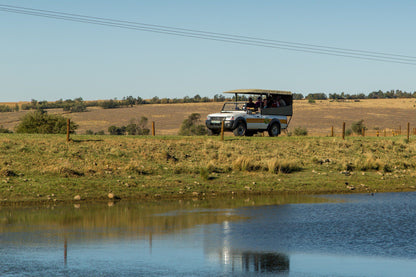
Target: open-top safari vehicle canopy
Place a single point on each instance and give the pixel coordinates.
(286, 110)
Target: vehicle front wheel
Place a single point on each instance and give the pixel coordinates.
(240, 130)
(274, 130)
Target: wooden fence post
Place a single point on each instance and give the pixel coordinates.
(408, 130)
(343, 130)
(68, 123)
(363, 132)
(332, 131)
(222, 130)
(385, 134)
(153, 129)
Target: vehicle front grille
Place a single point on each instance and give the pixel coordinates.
(217, 118)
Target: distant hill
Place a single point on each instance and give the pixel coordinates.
(317, 117)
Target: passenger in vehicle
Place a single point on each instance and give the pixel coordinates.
(281, 101)
(250, 105)
(265, 104)
(274, 102)
(259, 103)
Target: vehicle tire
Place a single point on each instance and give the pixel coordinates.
(274, 129)
(240, 130)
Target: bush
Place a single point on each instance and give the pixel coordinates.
(138, 127)
(300, 131)
(190, 126)
(42, 123)
(357, 127)
(118, 131)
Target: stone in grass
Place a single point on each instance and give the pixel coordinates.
(112, 196)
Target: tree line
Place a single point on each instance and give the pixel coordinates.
(79, 105)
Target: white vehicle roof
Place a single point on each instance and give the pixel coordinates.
(259, 91)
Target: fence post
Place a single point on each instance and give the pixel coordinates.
(400, 130)
(222, 130)
(332, 131)
(153, 129)
(343, 130)
(68, 123)
(363, 132)
(408, 130)
(385, 134)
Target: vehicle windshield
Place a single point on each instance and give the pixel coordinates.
(233, 106)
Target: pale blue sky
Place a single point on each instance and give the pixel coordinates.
(50, 59)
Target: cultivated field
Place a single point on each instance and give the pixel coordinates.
(318, 118)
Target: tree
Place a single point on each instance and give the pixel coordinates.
(357, 127)
(297, 96)
(191, 126)
(41, 122)
(114, 130)
(316, 96)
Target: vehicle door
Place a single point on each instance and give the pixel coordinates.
(257, 121)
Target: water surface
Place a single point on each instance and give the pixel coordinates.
(338, 235)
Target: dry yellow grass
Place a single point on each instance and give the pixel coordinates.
(317, 118)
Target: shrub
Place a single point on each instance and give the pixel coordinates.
(138, 127)
(42, 123)
(190, 126)
(357, 127)
(114, 130)
(300, 131)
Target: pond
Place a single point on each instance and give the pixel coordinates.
(283, 235)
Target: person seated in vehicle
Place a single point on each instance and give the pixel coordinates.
(274, 103)
(281, 101)
(250, 105)
(259, 103)
(266, 104)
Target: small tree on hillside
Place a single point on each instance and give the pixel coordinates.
(357, 127)
(191, 126)
(138, 126)
(43, 123)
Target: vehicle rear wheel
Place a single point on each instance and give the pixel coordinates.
(240, 130)
(274, 130)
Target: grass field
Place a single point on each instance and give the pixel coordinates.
(47, 168)
(318, 118)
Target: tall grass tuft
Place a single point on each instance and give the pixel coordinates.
(369, 162)
(244, 164)
(283, 166)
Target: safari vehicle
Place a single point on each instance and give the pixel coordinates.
(247, 121)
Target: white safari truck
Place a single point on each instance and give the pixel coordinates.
(272, 112)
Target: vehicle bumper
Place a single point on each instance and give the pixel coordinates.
(216, 125)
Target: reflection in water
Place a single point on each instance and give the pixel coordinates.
(255, 262)
(220, 238)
